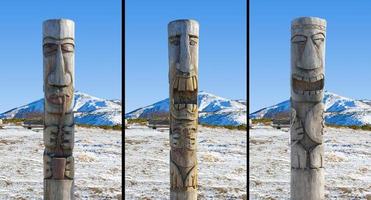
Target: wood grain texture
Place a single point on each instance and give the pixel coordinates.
(307, 122)
(183, 90)
(58, 73)
(58, 189)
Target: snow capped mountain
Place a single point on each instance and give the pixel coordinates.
(145, 112)
(117, 101)
(338, 110)
(88, 110)
(243, 101)
(272, 111)
(213, 110)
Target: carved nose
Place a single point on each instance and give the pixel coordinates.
(310, 58)
(185, 55)
(58, 76)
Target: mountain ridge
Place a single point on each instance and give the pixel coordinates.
(339, 110)
(213, 110)
(87, 109)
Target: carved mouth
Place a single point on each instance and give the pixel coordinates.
(307, 85)
(58, 98)
(185, 93)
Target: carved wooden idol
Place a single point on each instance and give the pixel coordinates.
(58, 54)
(307, 83)
(183, 79)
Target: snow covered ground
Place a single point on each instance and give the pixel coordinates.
(98, 168)
(221, 156)
(347, 163)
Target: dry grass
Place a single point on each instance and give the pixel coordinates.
(96, 190)
(345, 190)
(210, 158)
(7, 142)
(85, 158)
(332, 157)
(259, 141)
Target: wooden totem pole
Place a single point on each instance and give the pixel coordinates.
(58, 53)
(307, 82)
(183, 75)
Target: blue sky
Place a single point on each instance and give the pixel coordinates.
(348, 48)
(222, 50)
(98, 38)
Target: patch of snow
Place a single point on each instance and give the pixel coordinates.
(221, 155)
(98, 168)
(347, 163)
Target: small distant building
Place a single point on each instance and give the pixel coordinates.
(281, 120)
(33, 123)
(158, 123)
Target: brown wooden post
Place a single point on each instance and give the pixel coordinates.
(183, 79)
(58, 54)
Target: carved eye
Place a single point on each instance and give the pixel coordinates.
(192, 42)
(67, 47)
(175, 40)
(49, 49)
(318, 38)
(299, 39)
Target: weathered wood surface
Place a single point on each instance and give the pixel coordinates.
(307, 86)
(183, 82)
(58, 189)
(58, 54)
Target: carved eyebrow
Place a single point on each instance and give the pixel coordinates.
(298, 36)
(62, 44)
(318, 34)
(174, 36)
(193, 36)
(53, 38)
(69, 44)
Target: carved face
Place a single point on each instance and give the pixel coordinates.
(183, 62)
(58, 52)
(307, 59)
